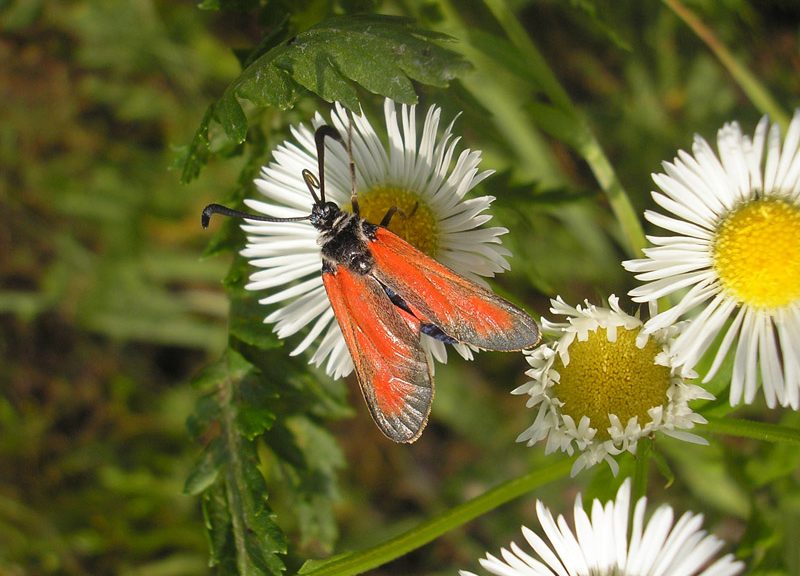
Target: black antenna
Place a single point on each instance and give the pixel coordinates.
(308, 177)
(353, 196)
(312, 184)
(319, 138)
(212, 209)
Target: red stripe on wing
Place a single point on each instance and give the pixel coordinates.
(435, 294)
(384, 342)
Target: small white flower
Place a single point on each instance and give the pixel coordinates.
(734, 249)
(603, 384)
(420, 175)
(603, 544)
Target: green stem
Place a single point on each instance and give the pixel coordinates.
(747, 81)
(534, 158)
(359, 562)
(640, 473)
(574, 129)
(519, 37)
(750, 429)
(617, 197)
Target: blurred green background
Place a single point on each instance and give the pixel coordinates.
(107, 308)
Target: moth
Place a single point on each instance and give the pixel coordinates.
(385, 294)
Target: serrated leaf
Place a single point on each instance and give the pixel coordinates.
(264, 84)
(218, 520)
(383, 54)
(205, 472)
(197, 153)
(246, 318)
(247, 322)
(322, 76)
(206, 412)
(230, 115)
(282, 442)
(230, 366)
(253, 422)
(243, 535)
(257, 538)
(255, 414)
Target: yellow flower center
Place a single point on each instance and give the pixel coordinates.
(414, 220)
(605, 378)
(757, 253)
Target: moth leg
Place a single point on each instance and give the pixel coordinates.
(388, 217)
(395, 210)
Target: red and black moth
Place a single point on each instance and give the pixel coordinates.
(385, 294)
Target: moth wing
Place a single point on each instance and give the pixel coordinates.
(384, 341)
(435, 294)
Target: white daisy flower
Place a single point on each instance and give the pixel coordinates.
(603, 383)
(734, 243)
(419, 174)
(603, 544)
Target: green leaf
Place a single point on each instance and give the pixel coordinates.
(243, 535)
(205, 472)
(230, 115)
(597, 18)
(662, 464)
(255, 415)
(217, 520)
(247, 321)
(229, 236)
(311, 460)
(236, 5)
(246, 317)
(258, 539)
(230, 366)
(383, 54)
(196, 154)
(762, 539)
(702, 469)
(751, 429)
